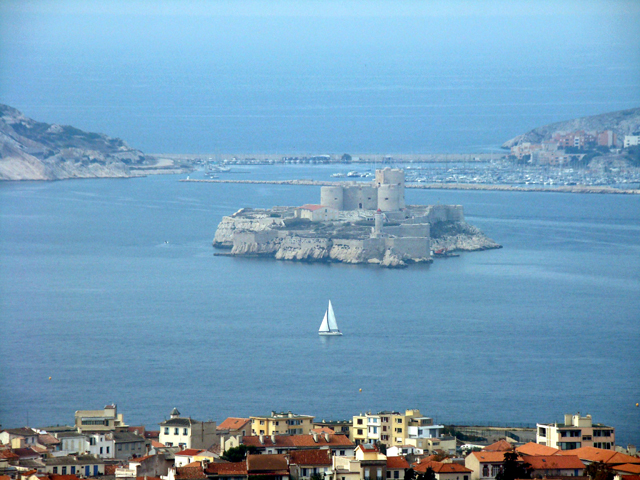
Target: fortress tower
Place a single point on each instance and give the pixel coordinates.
(385, 193)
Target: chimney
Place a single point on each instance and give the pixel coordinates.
(315, 437)
(567, 419)
(262, 439)
(326, 437)
(273, 438)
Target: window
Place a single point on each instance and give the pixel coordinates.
(388, 474)
(55, 469)
(485, 471)
(398, 430)
(120, 447)
(126, 446)
(367, 473)
(261, 422)
(379, 476)
(494, 470)
(73, 470)
(359, 421)
(100, 450)
(398, 420)
(64, 470)
(166, 430)
(185, 431)
(342, 452)
(176, 431)
(542, 432)
(107, 449)
(359, 431)
(396, 474)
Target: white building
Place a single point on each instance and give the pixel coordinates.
(187, 432)
(575, 432)
(631, 140)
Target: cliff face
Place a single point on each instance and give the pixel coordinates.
(31, 150)
(623, 122)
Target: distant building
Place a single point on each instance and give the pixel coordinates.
(575, 432)
(606, 138)
(282, 423)
(186, 432)
(317, 213)
(105, 420)
(338, 445)
(631, 140)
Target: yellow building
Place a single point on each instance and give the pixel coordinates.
(284, 423)
(393, 428)
(575, 432)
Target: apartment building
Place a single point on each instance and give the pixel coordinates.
(283, 423)
(394, 428)
(575, 432)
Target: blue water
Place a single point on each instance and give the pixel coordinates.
(92, 296)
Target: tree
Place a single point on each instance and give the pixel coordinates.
(429, 474)
(599, 471)
(239, 453)
(409, 474)
(513, 468)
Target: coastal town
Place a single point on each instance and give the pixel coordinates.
(399, 445)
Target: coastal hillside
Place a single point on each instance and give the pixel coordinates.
(623, 122)
(32, 150)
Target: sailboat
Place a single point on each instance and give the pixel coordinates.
(329, 326)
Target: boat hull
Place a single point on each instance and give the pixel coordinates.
(332, 334)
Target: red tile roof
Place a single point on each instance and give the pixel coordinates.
(627, 468)
(397, 463)
(312, 207)
(53, 476)
(140, 459)
(267, 463)
(310, 457)
(592, 454)
(110, 469)
(489, 457)
(298, 441)
(499, 446)
(190, 471)
(439, 467)
(47, 439)
(233, 423)
(189, 452)
(324, 430)
(156, 444)
(533, 448)
(8, 455)
(229, 469)
(554, 462)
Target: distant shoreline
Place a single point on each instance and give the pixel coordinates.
(447, 186)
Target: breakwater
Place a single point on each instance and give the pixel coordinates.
(449, 186)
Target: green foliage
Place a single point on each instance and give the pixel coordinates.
(239, 453)
(514, 468)
(429, 474)
(633, 155)
(382, 447)
(599, 471)
(316, 476)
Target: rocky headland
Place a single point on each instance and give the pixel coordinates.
(32, 150)
(622, 122)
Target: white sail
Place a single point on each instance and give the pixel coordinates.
(333, 325)
(324, 326)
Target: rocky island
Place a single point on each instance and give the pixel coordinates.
(355, 222)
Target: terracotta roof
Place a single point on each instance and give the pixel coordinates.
(630, 477)
(47, 439)
(310, 457)
(156, 444)
(152, 434)
(22, 432)
(554, 462)
(368, 447)
(312, 207)
(189, 452)
(8, 455)
(139, 430)
(533, 448)
(267, 463)
(5, 477)
(53, 476)
(293, 441)
(499, 446)
(140, 459)
(190, 471)
(489, 457)
(627, 467)
(230, 469)
(110, 469)
(232, 423)
(592, 454)
(26, 453)
(397, 462)
(439, 467)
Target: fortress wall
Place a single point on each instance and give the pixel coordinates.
(414, 247)
(409, 230)
(359, 197)
(332, 196)
(446, 213)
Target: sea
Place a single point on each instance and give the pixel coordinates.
(111, 293)
(109, 289)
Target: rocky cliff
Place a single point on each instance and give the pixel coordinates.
(31, 150)
(623, 122)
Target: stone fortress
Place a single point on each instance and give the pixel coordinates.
(355, 222)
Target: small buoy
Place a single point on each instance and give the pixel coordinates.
(360, 390)
(49, 378)
(637, 404)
